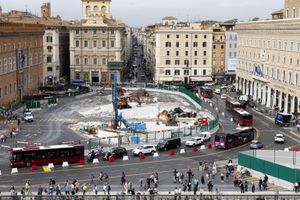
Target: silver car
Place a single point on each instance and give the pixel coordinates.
(255, 144)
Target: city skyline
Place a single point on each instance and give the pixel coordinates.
(191, 10)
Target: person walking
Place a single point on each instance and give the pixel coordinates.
(253, 187)
(108, 189)
(104, 189)
(242, 188)
(123, 180)
(298, 126)
(95, 189)
(202, 180)
(195, 189)
(246, 186)
(222, 177)
(260, 182)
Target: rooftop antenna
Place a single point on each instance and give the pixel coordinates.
(25, 8)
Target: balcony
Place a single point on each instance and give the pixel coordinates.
(261, 77)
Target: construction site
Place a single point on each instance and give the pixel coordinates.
(126, 112)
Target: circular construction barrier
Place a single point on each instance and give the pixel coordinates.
(142, 156)
(172, 152)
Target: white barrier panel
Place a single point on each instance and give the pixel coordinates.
(223, 113)
(14, 170)
(125, 158)
(50, 165)
(155, 155)
(95, 161)
(0, 173)
(182, 151)
(286, 149)
(231, 119)
(217, 109)
(65, 164)
(202, 147)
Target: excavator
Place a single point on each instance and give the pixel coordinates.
(106, 83)
(168, 118)
(123, 101)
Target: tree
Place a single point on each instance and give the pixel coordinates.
(255, 19)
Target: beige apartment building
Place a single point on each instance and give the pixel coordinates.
(95, 41)
(269, 60)
(180, 52)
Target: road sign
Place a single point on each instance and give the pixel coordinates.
(115, 65)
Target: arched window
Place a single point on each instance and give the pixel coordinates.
(103, 9)
(88, 10)
(96, 8)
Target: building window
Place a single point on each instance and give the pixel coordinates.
(112, 32)
(77, 32)
(283, 76)
(49, 69)
(195, 44)
(103, 61)
(168, 53)
(297, 79)
(186, 36)
(204, 36)
(77, 43)
(177, 62)
(86, 43)
(95, 60)
(86, 61)
(168, 36)
(186, 44)
(186, 53)
(168, 72)
(177, 36)
(177, 53)
(95, 32)
(49, 59)
(294, 13)
(103, 43)
(196, 36)
(95, 43)
(204, 62)
(204, 44)
(49, 39)
(168, 62)
(77, 75)
(177, 44)
(77, 60)
(195, 72)
(103, 31)
(177, 72)
(49, 48)
(222, 46)
(290, 78)
(204, 72)
(195, 53)
(278, 75)
(195, 62)
(88, 10)
(186, 72)
(204, 53)
(0, 92)
(186, 63)
(85, 31)
(168, 44)
(112, 44)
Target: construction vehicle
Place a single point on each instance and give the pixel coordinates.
(118, 118)
(91, 130)
(123, 101)
(168, 118)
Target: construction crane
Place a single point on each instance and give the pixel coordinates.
(118, 118)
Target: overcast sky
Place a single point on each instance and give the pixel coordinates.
(145, 12)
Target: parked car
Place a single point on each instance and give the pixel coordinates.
(167, 144)
(116, 152)
(279, 138)
(144, 149)
(194, 142)
(28, 116)
(255, 144)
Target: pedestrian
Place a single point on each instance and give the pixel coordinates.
(266, 178)
(296, 186)
(123, 178)
(222, 177)
(141, 182)
(189, 186)
(101, 176)
(58, 190)
(210, 186)
(84, 189)
(108, 189)
(104, 188)
(246, 186)
(298, 127)
(260, 182)
(253, 187)
(95, 189)
(40, 191)
(67, 188)
(242, 188)
(195, 189)
(202, 180)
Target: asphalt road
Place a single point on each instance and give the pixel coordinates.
(55, 131)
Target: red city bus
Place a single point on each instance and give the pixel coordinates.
(43, 155)
(235, 138)
(207, 92)
(231, 104)
(244, 118)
